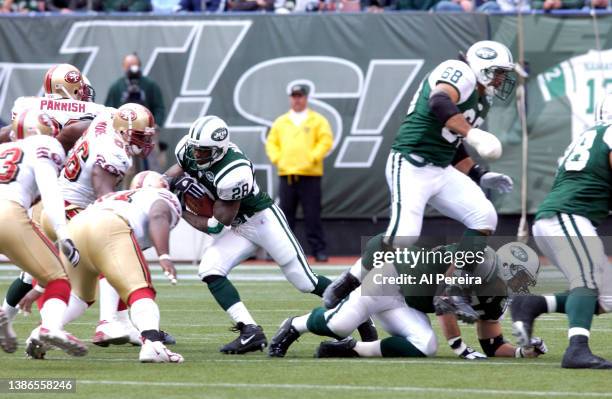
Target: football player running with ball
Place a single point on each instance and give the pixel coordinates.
(450, 105)
(566, 232)
(244, 218)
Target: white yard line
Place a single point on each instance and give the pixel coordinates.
(318, 387)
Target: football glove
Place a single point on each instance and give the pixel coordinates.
(188, 185)
(496, 181)
(464, 351)
(487, 145)
(537, 347)
(70, 250)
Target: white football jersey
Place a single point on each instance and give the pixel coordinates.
(101, 146)
(62, 110)
(18, 161)
(134, 207)
(582, 81)
(457, 74)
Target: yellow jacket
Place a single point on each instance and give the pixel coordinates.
(299, 150)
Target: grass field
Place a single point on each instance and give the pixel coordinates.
(188, 311)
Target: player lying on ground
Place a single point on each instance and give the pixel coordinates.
(402, 309)
(243, 219)
(111, 233)
(565, 231)
(30, 168)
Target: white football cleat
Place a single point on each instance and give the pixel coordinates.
(8, 338)
(134, 334)
(156, 352)
(35, 348)
(63, 340)
(110, 333)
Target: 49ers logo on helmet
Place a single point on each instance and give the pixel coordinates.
(73, 77)
(128, 115)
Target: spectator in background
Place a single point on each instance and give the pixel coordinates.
(297, 144)
(65, 6)
(22, 6)
(196, 5)
(123, 5)
(250, 5)
(133, 87)
(548, 5)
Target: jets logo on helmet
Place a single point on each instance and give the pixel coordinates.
(207, 141)
(73, 77)
(492, 64)
(520, 266)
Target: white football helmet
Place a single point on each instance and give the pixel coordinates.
(603, 110)
(207, 141)
(148, 179)
(519, 266)
(492, 63)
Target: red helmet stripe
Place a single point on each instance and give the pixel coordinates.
(48, 77)
(20, 123)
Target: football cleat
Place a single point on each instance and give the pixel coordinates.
(110, 333)
(459, 305)
(8, 338)
(35, 348)
(367, 331)
(339, 289)
(523, 317)
(156, 352)
(134, 335)
(284, 337)
(63, 340)
(251, 338)
(342, 348)
(579, 356)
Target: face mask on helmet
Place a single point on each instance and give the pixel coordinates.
(203, 157)
(65, 81)
(148, 179)
(501, 84)
(493, 65)
(519, 266)
(135, 123)
(31, 123)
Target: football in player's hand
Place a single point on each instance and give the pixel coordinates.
(200, 206)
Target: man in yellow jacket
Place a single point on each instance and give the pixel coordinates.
(297, 144)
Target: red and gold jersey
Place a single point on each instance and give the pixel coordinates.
(101, 146)
(134, 207)
(18, 163)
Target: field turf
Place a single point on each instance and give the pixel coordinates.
(189, 312)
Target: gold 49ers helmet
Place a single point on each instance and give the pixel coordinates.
(32, 122)
(136, 125)
(148, 179)
(64, 80)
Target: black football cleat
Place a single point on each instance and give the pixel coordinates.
(251, 339)
(168, 338)
(342, 348)
(578, 355)
(459, 305)
(524, 309)
(367, 331)
(284, 337)
(339, 289)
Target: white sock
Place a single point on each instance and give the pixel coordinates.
(578, 331)
(551, 303)
(368, 349)
(10, 311)
(239, 314)
(299, 323)
(123, 317)
(52, 313)
(109, 299)
(358, 270)
(145, 314)
(76, 308)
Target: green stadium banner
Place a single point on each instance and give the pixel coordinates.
(363, 70)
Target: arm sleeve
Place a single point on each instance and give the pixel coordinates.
(273, 145)
(237, 184)
(325, 140)
(45, 173)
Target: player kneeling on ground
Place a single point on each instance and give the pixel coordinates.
(30, 168)
(402, 309)
(110, 234)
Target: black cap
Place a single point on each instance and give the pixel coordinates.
(299, 89)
